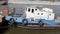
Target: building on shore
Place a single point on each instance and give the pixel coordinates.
(3, 2)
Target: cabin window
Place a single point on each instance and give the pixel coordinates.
(32, 10)
(36, 9)
(50, 14)
(29, 9)
(38, 13)
(41, 13)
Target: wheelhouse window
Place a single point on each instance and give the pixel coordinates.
(32, 10)
(38, 13)
(29, 9)
(36, 9)
(50, 14)
(41, 13)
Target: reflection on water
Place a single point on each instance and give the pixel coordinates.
(3, 30)
(14, 30)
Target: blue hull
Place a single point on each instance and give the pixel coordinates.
(20, 19)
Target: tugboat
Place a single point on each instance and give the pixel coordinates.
(34, 17)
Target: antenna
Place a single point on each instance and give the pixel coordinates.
(14, 10)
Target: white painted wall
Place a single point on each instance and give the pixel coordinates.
(48, 10)
(41, 15)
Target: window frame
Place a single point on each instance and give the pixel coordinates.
(41, 13)
(32, 10)
(35, 9)
(29, 9)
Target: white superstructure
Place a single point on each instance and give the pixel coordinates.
(45, 13)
